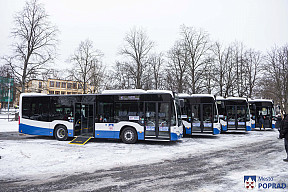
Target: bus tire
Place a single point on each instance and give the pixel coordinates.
(61, 133)
(129, 135)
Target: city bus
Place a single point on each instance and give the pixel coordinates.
(200, 114)
(264, 107)
(129, 115)
(234, 113)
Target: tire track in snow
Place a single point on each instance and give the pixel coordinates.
(183, 174)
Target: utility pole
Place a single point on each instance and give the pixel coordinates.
(9, 86)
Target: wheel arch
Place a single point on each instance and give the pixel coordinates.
(127, 126)
(57, 125)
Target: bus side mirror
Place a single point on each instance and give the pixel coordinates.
(181, 103)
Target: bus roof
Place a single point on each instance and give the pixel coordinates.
(109, 92)
(202, 95)
(33, 94)
(195, 95)
(136, 91)
(260, 100)
(236, 98)
(220, 98)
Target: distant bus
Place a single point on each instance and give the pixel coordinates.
(200, 114)
(234, 113)
(129, 115)
(264, 107)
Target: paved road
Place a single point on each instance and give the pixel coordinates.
(184, 174)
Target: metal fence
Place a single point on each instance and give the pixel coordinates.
(11, 114)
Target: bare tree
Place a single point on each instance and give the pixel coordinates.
(136, 49)
(197, 43)
(35, 43)
(177, 69)
(253, 67)
(120, 78)
(98, 78)
(275, 80)
(86, 63)
(222, 57)
(238, 59)
(5, 71)
(156, 66)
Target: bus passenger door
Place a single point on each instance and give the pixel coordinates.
(157, 124)
(151, 129)
(241, 116)
(231, 116)
(196, 118)
(163, 120)
(207, 118)
(84, 119)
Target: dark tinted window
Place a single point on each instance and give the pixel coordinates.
(129, 112)
(105, 109)
(62, 108)
(36, 108)
(105, 113)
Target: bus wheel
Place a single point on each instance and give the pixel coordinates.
(61, 133)
(129, 135)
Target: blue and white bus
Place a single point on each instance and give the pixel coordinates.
(129, 115)
(200, 114)
(264, 107)
(234, 113)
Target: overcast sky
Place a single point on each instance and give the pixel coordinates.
(259, 24)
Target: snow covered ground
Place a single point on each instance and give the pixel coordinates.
(44, 158)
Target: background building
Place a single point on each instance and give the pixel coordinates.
(57, 87)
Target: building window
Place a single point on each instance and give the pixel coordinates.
(63, 93)
(57, 84)
(79, 86)
(40, 84)
(68, 93)
(51, 83)
(74, 93)
(63, 85)
(69, 85)
(57, 92)
(74, 85)
(51, 92)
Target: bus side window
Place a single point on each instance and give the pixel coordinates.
(26, 107)
(128, 112)
(105, 113)
(61, 109)
(36, 108)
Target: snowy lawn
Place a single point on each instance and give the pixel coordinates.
(38, 157)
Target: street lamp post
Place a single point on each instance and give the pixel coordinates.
(9, 86)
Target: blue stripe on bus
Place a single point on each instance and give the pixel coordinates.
(70, 133)
(224, 127)
(216, 131)
(107, 134)
(188, 130)
(140, 136)
(32, 130)
(175, 137)
(248, 128)
(253, 125)
(273, 126)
